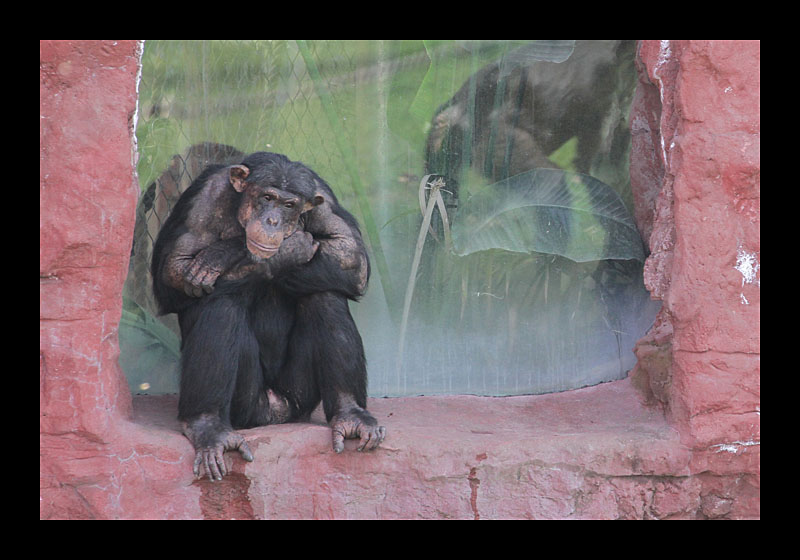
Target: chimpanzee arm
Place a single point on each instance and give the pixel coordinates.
(204, 269)
(296, 250)
(179, 256)
(340, 265)
(200, 239)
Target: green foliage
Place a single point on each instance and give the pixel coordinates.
(149, 351)
(549, 211)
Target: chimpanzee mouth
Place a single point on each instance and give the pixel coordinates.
(261, 251)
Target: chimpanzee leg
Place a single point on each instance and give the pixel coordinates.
(326, 352)
(220, 363)
(216, 341)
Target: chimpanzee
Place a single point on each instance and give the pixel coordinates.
(509, 118)
(258, 260)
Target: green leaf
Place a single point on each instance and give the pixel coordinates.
(548, 211)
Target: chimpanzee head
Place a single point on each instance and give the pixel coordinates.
(276, 191)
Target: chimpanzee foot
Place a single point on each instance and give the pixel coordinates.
(212, 458)
(211, 439)
(356, 423)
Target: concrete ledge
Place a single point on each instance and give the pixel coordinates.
(594, 453)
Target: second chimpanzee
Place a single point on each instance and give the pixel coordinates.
(259, 260)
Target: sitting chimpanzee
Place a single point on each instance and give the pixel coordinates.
(258, 260)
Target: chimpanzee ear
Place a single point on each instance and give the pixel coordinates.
(319, 194)
(315, 200)
(238, 174)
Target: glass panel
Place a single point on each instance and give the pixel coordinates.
(490, 179)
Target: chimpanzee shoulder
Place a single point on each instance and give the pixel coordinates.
(182, 207)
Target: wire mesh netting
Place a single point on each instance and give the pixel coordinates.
(514, 153)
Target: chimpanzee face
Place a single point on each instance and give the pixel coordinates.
(269, 215)
(274, 196)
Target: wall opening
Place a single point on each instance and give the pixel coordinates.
(526, 276)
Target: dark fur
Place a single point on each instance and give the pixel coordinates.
(267, 344)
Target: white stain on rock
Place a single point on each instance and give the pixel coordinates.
(748, 266)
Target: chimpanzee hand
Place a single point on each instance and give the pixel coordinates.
(296, 250)
(356, 423)
(199, 278)
(211, 439)
(204, 269)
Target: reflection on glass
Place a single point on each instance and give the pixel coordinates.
(526, 277)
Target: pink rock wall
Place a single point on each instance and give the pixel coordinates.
(696, 179)
(93, 462)
(86, 188)
(696, 126)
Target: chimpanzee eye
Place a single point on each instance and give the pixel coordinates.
(268, 196)
(289, 204)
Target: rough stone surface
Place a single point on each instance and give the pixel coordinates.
(705, 243)
(592, 453)
(93, 462)
(86, 186)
